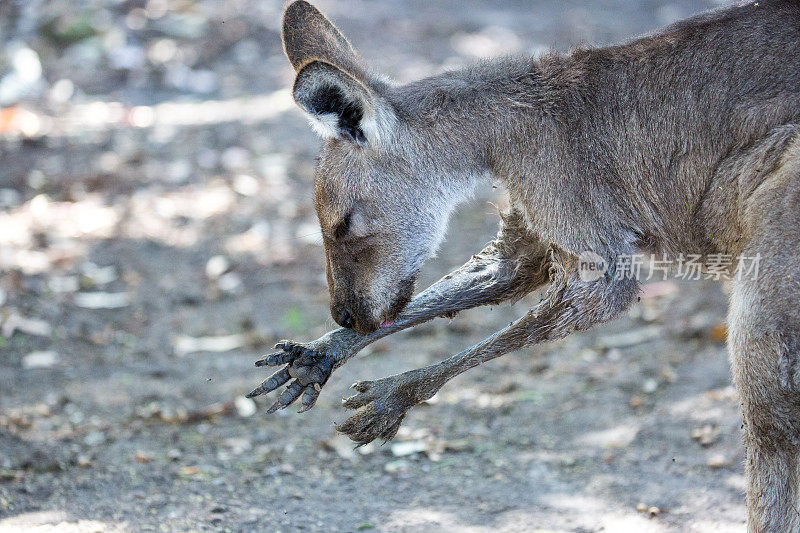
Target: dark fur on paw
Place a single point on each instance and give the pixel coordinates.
(380, 408)
(307, 369)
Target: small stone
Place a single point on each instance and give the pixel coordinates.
(174, 454)
(717, 461)
(217, 266)
(102, 300)
(185, 345)
(650, 386)
(245, 185)
(636, 401)
(84, 461)
(99, 275)
(402, 449)
(61, 91)
(142, 457)
(245, 406)
(24, 77)
(394, 467)
(29, 326)
(230, 283)
(43, 359)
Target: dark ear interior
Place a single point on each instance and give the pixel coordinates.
(331, 99)
(334, 99)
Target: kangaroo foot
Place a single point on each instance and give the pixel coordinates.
(381, 406)
(307, 368)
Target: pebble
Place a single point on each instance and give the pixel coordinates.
(41, 359)
(142, 457)
(28, 326)
(99, 275)
(245, 406)
(394, 467)
(717, 461)
(649, 385)
(174, 454)
(402, 449)
(230, 283)
(245, 185)
(24, 78)
(102, 300)
(185, 345)
(217, 266)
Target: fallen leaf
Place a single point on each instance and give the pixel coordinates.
(719, 333)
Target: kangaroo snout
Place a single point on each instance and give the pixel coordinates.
(360, 314)
(354, 315)
(345, 319)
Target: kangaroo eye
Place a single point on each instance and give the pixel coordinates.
(342, 227)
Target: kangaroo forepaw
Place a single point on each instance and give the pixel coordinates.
(307, 368)
(380, 408)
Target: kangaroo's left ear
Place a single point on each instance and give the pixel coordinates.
(341, 106)
(342, 99)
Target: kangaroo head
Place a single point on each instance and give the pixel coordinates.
(383, 193)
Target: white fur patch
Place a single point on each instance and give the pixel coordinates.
(325, 125)
(376, 127)
(379, 125)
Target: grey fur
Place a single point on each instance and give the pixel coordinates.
(681, 142)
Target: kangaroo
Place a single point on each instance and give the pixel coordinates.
(685, 141)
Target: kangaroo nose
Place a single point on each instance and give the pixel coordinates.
(346, 319)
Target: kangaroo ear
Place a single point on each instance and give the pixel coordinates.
(332, 85)
(339, 105)
(309, 36)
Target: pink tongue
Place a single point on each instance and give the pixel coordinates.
(387, 324)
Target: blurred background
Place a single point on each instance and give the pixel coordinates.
(157, 235)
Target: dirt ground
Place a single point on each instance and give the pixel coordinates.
(157, 235)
